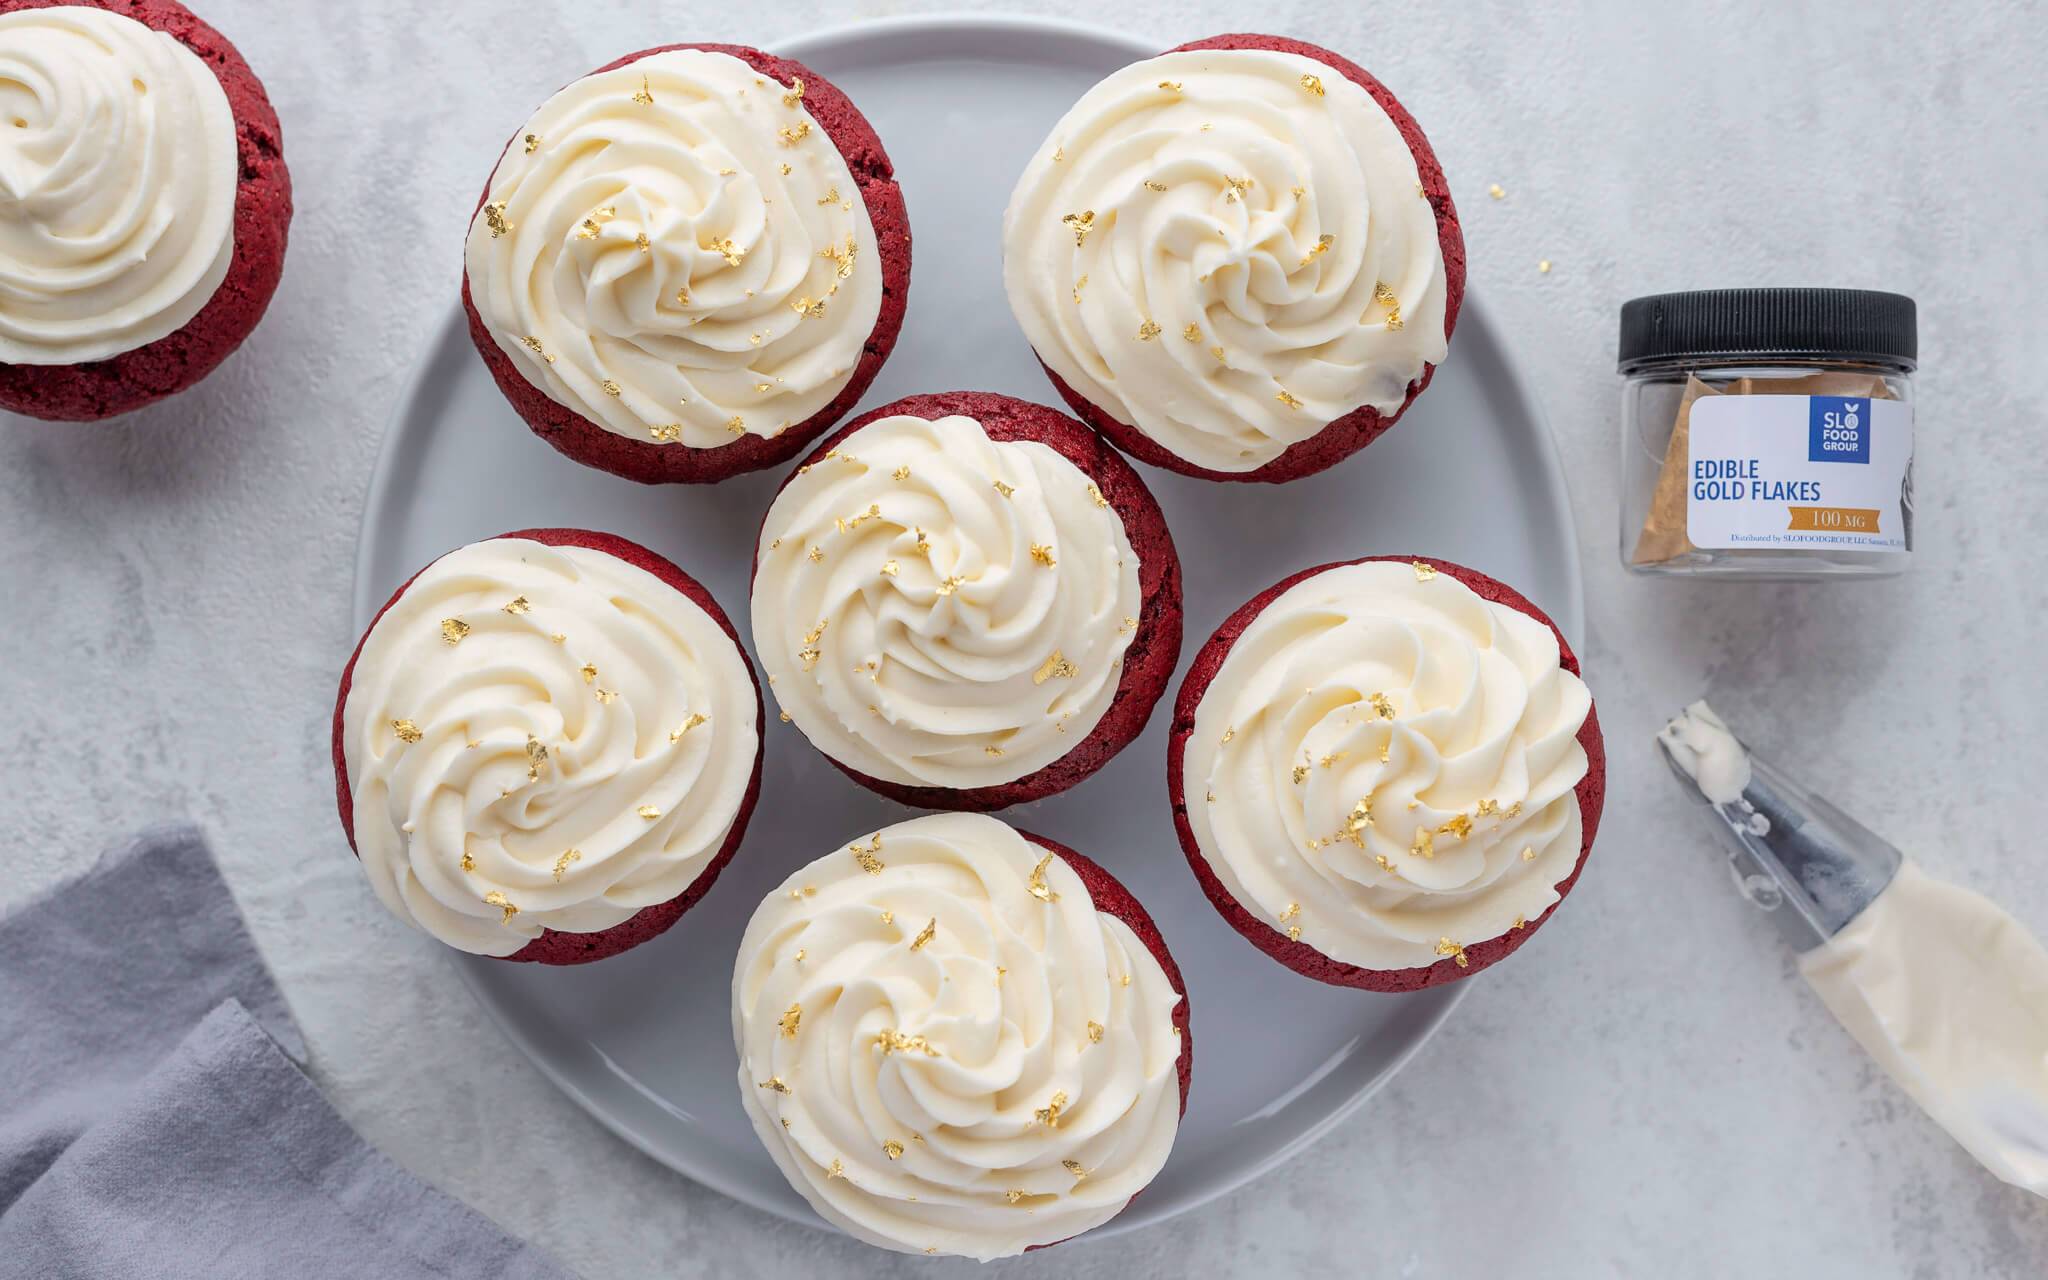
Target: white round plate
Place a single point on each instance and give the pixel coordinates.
(643, 1041)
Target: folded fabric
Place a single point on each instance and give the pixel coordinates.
(152, 1121)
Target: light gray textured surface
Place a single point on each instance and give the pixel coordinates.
(1646, 1090)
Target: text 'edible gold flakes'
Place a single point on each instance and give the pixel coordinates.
(452, 630)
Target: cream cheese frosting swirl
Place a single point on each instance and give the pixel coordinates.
(939, 608)
(946, 1048)
(118, 170)
(1383, 766)
(1228, 250)
(542, 737)
(676, 251)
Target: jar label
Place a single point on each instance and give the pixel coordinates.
(1798, 471)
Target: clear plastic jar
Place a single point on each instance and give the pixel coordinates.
(1767, 433)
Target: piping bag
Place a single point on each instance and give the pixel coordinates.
(1943, 988)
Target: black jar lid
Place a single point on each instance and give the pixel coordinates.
(1769, 324)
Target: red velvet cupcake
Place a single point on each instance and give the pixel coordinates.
(956, 1037)
(966, 601)
(688, 264)
(1303, 262)
(1387, 773)
(547, 746)
(148, 203)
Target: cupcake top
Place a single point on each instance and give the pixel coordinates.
(542, 737)
(675, 250)
(947, 1048)
(1383, 766)
(1228, 250)
(117, 185)
(939, 608)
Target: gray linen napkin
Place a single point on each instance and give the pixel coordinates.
(152, 1122)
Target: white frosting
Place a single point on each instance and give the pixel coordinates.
(1009, 1080)
(1700, 743)
(1950, 994)
(118, 167)
(689, 269)
(644, 710)
(1236, 210)
(1371, 712)
(909, 628)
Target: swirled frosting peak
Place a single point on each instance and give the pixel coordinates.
(1228, 250)
(939, 608)
(1383, 766)
(676, 251)
(542, 737)
(118, 169)
(947, 1048)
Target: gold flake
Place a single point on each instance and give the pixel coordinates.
(1294, 933)
(1424, 571)
(808, 309)
(610, 388)
(1486, 809)
(1237, 189)
(452, 630)
(532, 143)
(1229, 732)
(1095, 495)
(993, 752)
(1460, 826)
(842, 257)
(1519, 923)
(795, 94)
(589, 672)
(562, 863)
(1079, 285)
(558, 637)
(810, 655)
(1445, 947)
(1293, 910)
(727, 173)
(1095, 1032)
(790, 1018)
(1333, 758)
(1082, 223)
(1497, 191)
(646, 95)
(732, 253)
(835, 1169)
(642, 243)
(1193, 333)
(931, 927)
(468, 861)
(890, 568)
(950, 584)
(1218, 353)
(1058, 154)
(1171, 86)
(1049, 1114)
(800, 954)
(683, 296)
(648, 811)
(901, 473)
(536, 757)
(1005, 489)
(1037, 886)
(896, 1042)
(785, 169)
(1544, 266)
(1300, 774)
(888, 917)
(664, 433)
(1055, 667)
(790, 136)
(406, 730)
(774, 1084)
(1154, 186)
(1284, 398)
(517, 604)
(607, 696)
(1425, 843)
(1528, 854)
(1384, 294)
(868, 855)
(816, 555)
(1013, 1196)
(1514, 810)
(1297, 191)
(1126, 980)
(497, 899)
(494, 218)
(831, 196)
(1314, 84)
(1042, 554)
(811, 890)
(893, 1149)
(736, 425)
(1074, 1167)
(1382, 705)
(1147, 331)
(1386, 864)
(533, 345)
(1323, 243)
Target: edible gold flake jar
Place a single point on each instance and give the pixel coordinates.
(1767, 433)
